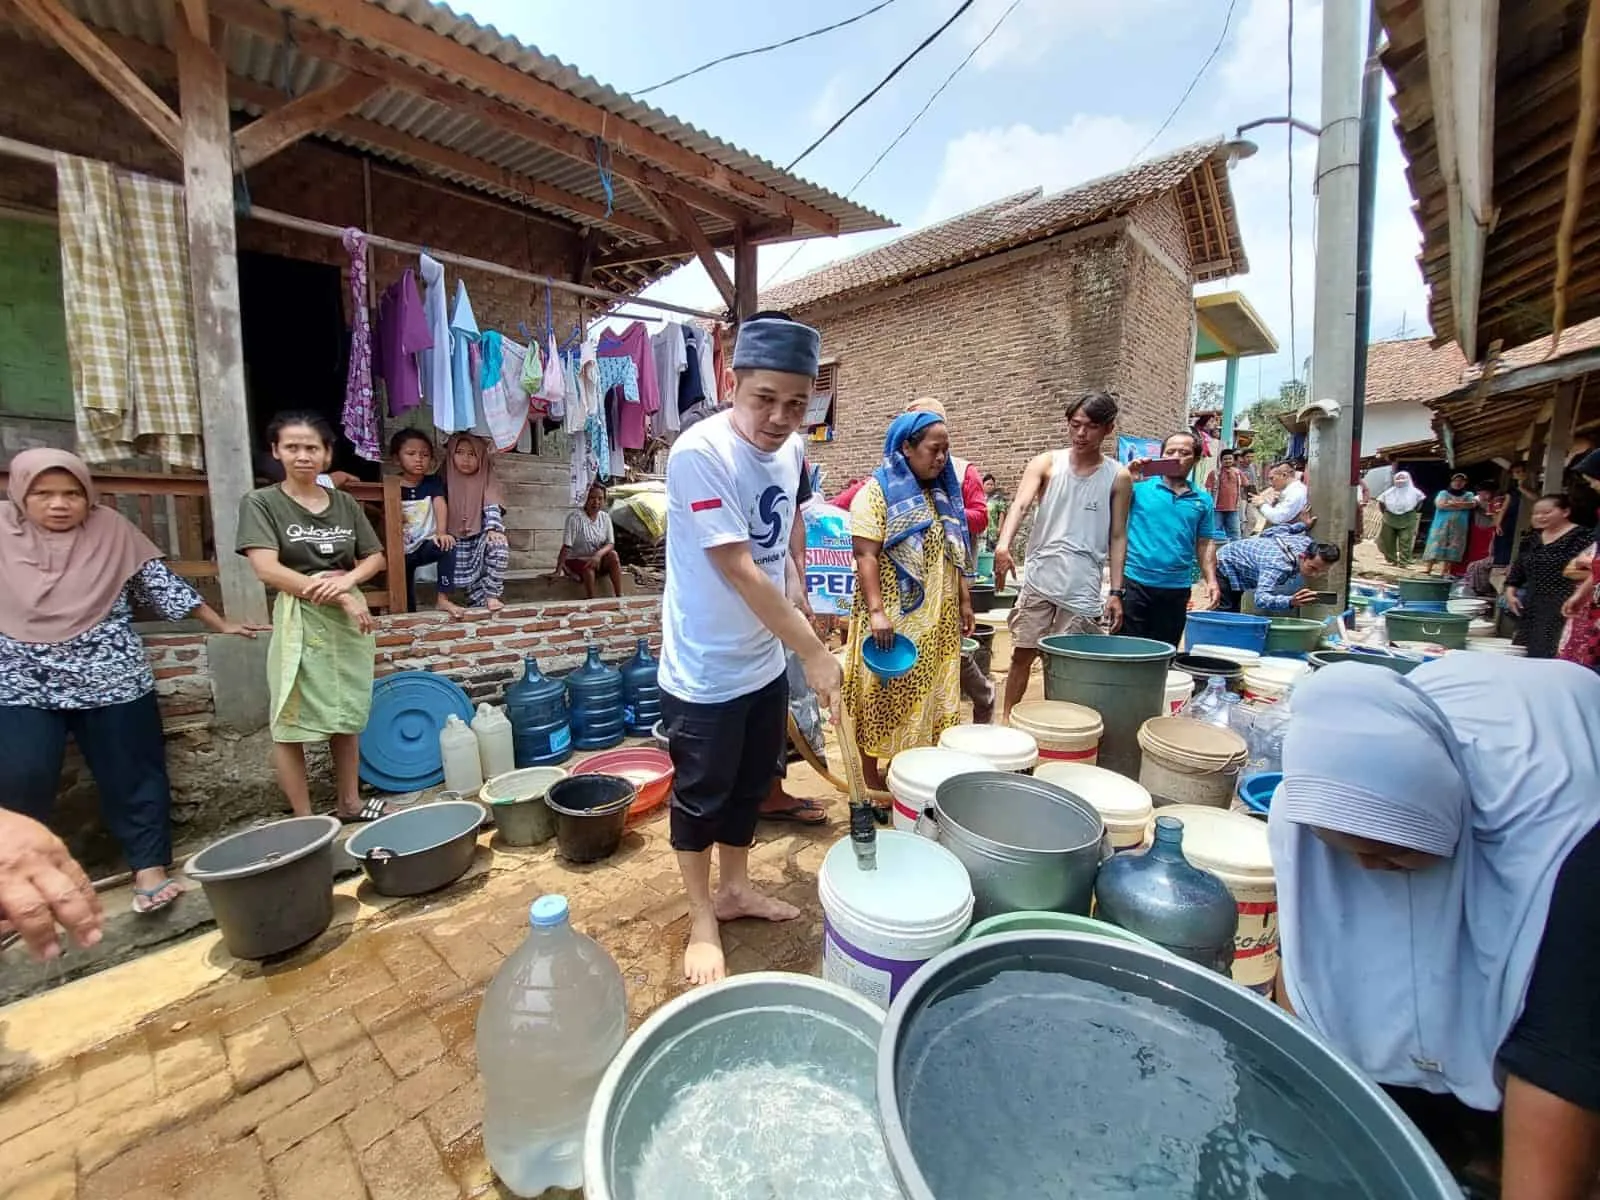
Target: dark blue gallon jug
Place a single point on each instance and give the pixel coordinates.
(641, 698)
(1161, 895)
(541, 732)
(594, 697)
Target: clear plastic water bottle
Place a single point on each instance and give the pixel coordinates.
(553, 1017)
(1211, 705)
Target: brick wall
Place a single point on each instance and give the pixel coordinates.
(482, 655)
(1006, 346)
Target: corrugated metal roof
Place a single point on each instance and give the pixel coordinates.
(279, 64)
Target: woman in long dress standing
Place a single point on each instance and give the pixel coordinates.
(315, 548)
(1452, 520)
(1401, 504)
(913, 560)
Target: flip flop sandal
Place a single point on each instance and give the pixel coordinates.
(148, 896)
(370, 811)
(802, 812)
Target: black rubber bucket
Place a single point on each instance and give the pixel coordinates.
(591, 812)
(1201, 668)
(982, 596)
(984, 655)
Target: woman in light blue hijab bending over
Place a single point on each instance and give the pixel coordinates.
(1438, 868)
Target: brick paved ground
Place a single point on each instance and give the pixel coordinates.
(349, 1071)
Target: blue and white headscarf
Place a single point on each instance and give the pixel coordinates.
(1493, 767)
(908, 521)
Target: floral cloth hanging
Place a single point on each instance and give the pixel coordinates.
(360, 417)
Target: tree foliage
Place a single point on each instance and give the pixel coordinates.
(1271, 438)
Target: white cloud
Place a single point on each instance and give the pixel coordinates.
(1038, 26)
(986, 164)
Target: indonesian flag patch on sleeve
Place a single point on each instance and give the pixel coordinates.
(705, 505)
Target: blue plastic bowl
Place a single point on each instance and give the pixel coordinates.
(893, 662)
(1255, 791)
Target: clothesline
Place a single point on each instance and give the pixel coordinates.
(46, 157)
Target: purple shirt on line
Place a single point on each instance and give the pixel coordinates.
(402, 332)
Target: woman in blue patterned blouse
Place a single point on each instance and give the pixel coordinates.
(70, 662)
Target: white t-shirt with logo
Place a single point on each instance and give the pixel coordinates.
(722, 490)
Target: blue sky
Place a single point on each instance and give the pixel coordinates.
(1065, 91)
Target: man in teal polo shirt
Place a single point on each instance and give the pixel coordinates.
(1172, 526)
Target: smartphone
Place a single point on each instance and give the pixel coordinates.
(1164, 466)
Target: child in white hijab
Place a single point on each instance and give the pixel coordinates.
(1436, 853)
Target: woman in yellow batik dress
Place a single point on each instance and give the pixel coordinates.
(913, 561)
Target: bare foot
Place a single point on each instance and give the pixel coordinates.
(454, 611)
(730, 904)
(702, 961)
(494, 604)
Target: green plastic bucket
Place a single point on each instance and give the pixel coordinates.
(1442, 629)
(1014, 922)
(1124, 679)
(1431, 590)
(1293, 635)
(986, 563)
(1327, 658)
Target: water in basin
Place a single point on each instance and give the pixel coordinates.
(1039, 1084)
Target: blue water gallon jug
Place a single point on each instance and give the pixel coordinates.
(541, 731)
(1161, 895)
(594, 698)
(641, 698)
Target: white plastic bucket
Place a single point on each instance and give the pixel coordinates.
(1269, 680)
(879, 926)
(1124, 806)
(1006, 749)
(1063, 731)
(1180, 686)
(915, 775)
(1234, 848)
(1198, 765)
(1245, 658)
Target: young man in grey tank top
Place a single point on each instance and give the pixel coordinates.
(1080, 528)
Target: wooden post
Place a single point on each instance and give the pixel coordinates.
(744, 274)
(214, 282)
(1560, 443)
(394, 544)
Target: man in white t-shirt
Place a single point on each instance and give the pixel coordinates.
(1285, 501)
(732, 484)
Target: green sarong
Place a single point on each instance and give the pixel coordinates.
(319, 671)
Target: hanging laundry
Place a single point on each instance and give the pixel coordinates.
(360, 419)
(711, 366)
(634, 343)
(402, 335)
(532, 369)
(668, 349)
(463, 383)
(553, 387)
(505, 404)
(584, 392)
(125, 292)
(435, 359)
(692, 383)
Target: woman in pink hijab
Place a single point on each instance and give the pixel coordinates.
(71, 572)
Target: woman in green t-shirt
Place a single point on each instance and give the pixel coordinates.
(315, 548)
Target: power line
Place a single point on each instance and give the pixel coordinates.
(1193, 83)
(1294, 362)
(717, 62)
(921, 112)
(882, 83)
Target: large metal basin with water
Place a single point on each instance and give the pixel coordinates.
(763, 1016)
(270, 887)
(1028, 845)
(1215, 1093)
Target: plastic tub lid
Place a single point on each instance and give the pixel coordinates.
(921, 770)
(1057, 719)
(918, 885)
(1118, 799)
(1197, 741)
(1005, 748)
(1287, 670)
(400, 745)
(1224, 841)
(1235, 653)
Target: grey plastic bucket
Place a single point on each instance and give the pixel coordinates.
(271, 887)
(419, 850)
(1124, 679)
(1359, 1125)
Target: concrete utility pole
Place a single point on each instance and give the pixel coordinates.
(1330, 459)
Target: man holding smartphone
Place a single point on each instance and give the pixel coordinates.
(1172, 529)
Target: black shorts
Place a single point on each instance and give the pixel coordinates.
(1228, 600)
(724, 757)
(1151, 612)
(1555, 1044)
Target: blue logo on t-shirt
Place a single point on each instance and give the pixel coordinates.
(769, 517)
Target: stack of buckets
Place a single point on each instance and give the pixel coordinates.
(1190, 762)
(1063, 731)
(1268, 680)
(1234, 848)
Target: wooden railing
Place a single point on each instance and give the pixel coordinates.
(174, 512)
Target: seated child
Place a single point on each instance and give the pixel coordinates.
(425, 512)
(476, 564)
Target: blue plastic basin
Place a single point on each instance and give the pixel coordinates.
(1255, 791)
(893, 662)
(1243, 631)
